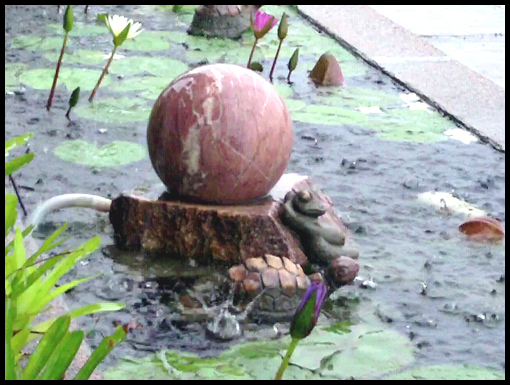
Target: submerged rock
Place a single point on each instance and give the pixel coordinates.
(222, 21)
(327, 71)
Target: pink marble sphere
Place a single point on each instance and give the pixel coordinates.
(220, 134)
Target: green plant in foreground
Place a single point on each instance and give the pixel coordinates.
(304, 320)
(292, 63)
(282, 34)
(73, 101)
(68, 26)
(122, 29)
(29, 289)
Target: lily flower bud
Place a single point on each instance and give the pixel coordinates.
(307, 313)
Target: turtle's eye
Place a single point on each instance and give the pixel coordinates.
(304, 196)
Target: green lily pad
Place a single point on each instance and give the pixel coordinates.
(42, 78)
(364, 352)
(284, 91)
(294, 105)
(148, 41)
(79, 29)
(40, 43)
(328, 353)
(411, 125)
(356, 97)
(12, 73)
(318, 114)
(117, 153)
(82, 56)
(447, 372)
(115, 109)
(185, 9)
(157, 66)
(150, 86)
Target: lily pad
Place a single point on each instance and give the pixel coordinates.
(356, 97)
(148, 41)
(12, 73)
(115, 110)
(411, 125)
(117, 153)
(41, 43)
(42, 78)
(319, 114)
(79, 29)
(447, 372)
(157, 66)
(150, 86)
(328, 353)
(82, 56)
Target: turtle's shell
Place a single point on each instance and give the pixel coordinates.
(283, 282)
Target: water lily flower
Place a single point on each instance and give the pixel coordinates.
(304, 319)
(118, 24)
(68, 26)
(308, 311)
(122, 29)
(292, 63)
(261, 26)
(282, 34)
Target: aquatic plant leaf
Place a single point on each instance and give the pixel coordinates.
(157, 66)
(42, 78)
(356, 97)
(284, 91)
(365, 352)
(116, 110)
(449, 372)
(40, 43)
(148, 41)
(79, 29)
(482, 229)
(12, 72)
(149, 85)
(320, 114)
(82, 57)
(117, 153)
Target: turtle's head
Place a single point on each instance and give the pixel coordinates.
(341, 271)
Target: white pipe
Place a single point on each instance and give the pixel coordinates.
(70, 200)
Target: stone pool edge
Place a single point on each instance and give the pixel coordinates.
(472, 101)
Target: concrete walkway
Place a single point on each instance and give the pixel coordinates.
(451, 55)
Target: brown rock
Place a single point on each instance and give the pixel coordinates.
(206, 233)
(327, 71)
(220, 134)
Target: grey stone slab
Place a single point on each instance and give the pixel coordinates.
(456, 89)
(451, 20)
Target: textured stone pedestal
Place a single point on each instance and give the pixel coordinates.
(209, 233)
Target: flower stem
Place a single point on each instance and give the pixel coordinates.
(252, 51)
(286, 359)
(105, 71)
(57, 71)
(275, 59)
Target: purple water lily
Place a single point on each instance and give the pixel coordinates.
(308, 311)
(261, 25)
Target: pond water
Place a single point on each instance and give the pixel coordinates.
(370, 146)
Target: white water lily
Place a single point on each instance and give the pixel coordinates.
(116, 24)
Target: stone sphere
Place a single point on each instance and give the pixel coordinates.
(219, 134)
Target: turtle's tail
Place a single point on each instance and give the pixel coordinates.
(69, 200)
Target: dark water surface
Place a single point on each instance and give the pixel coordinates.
(374, 184)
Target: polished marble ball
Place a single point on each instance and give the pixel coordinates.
(219, 134)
